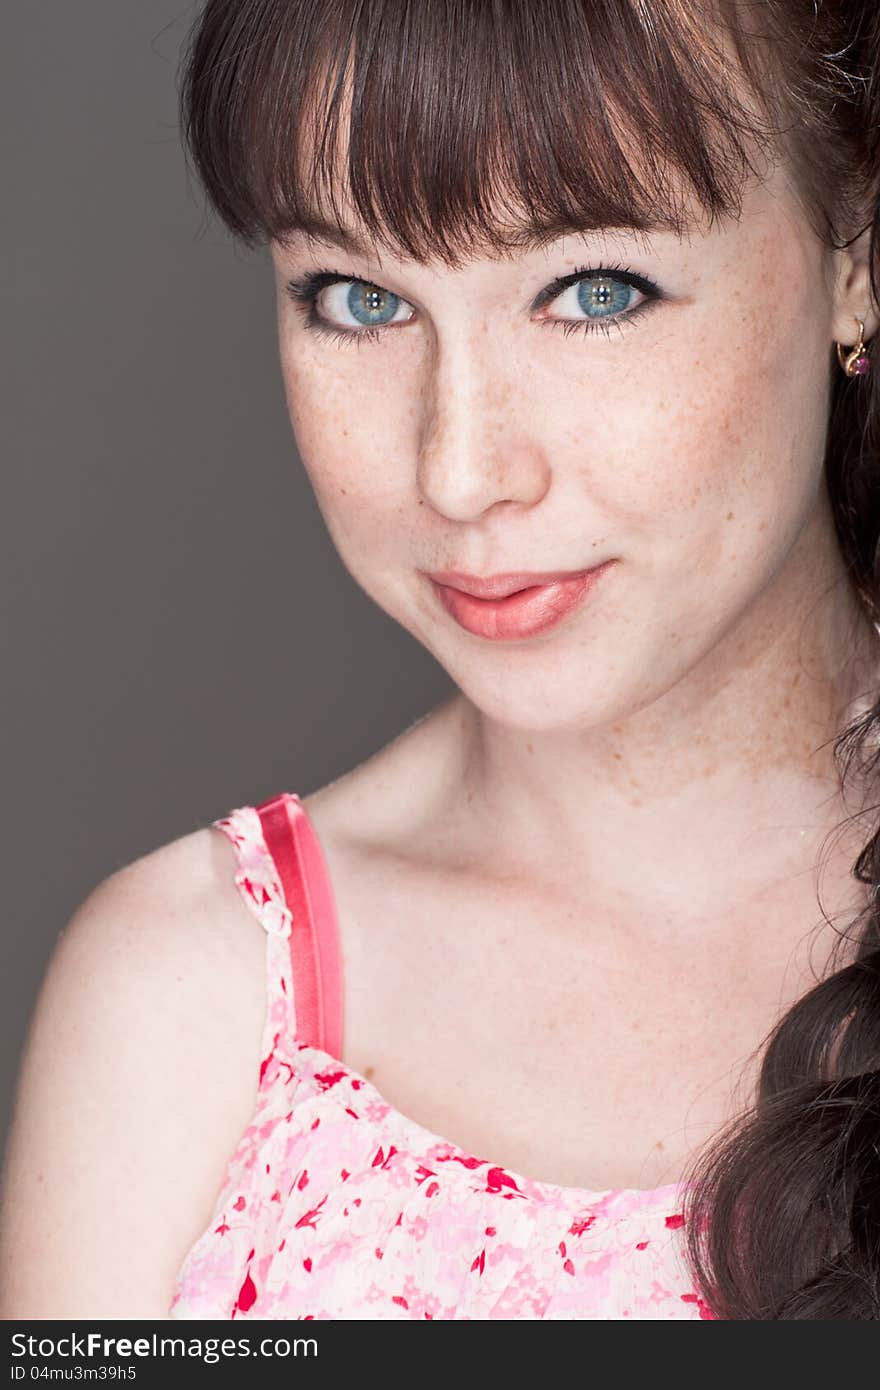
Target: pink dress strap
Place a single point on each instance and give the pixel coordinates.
(315, 950)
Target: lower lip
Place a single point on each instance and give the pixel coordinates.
(524, 614)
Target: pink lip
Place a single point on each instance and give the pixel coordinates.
(499, 585)
(516, 605)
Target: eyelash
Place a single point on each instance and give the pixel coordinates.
(304, 293)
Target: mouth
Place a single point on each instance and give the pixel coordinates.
(499, 586)
(519, 606)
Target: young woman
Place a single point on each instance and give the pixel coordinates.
(573, 989)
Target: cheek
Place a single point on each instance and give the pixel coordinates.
(721, 444)
(345, 437)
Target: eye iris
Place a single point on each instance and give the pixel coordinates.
(370, 304)
(599, 297)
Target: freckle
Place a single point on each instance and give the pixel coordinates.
(659, 1143)
(368, 1072)
(618, 757)
(730, 516)
(530, 748)
(635, 801)
(344, 491)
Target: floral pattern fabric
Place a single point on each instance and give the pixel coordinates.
(336, 1205)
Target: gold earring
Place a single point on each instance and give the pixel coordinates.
(855, 362)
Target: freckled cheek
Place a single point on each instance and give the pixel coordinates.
(709, 454)
(345, 439)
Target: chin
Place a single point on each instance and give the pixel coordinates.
(535, 704)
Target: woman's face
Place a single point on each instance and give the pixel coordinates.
(483, 430)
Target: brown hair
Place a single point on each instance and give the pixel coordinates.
(454, 109)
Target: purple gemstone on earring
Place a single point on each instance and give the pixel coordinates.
(861, 366)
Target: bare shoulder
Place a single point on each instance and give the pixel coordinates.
(173, 920)
(138, 1076)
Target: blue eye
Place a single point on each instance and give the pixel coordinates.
(368, 304)
(600, 297)
(602, 294)
(605, 295)
(371, 305)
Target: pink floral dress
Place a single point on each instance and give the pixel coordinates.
(336, 1205)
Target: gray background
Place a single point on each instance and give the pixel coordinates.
(167, 654)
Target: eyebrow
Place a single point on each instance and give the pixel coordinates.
(526, 238)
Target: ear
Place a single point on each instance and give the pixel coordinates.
(852, 293)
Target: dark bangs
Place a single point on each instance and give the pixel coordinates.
(459, 125)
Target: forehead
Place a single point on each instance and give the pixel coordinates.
(766, 203)
(514, 238)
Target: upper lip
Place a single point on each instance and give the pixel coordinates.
(500, 585)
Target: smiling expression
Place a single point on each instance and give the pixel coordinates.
(656, 400)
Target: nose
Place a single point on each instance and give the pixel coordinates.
(478, 445)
